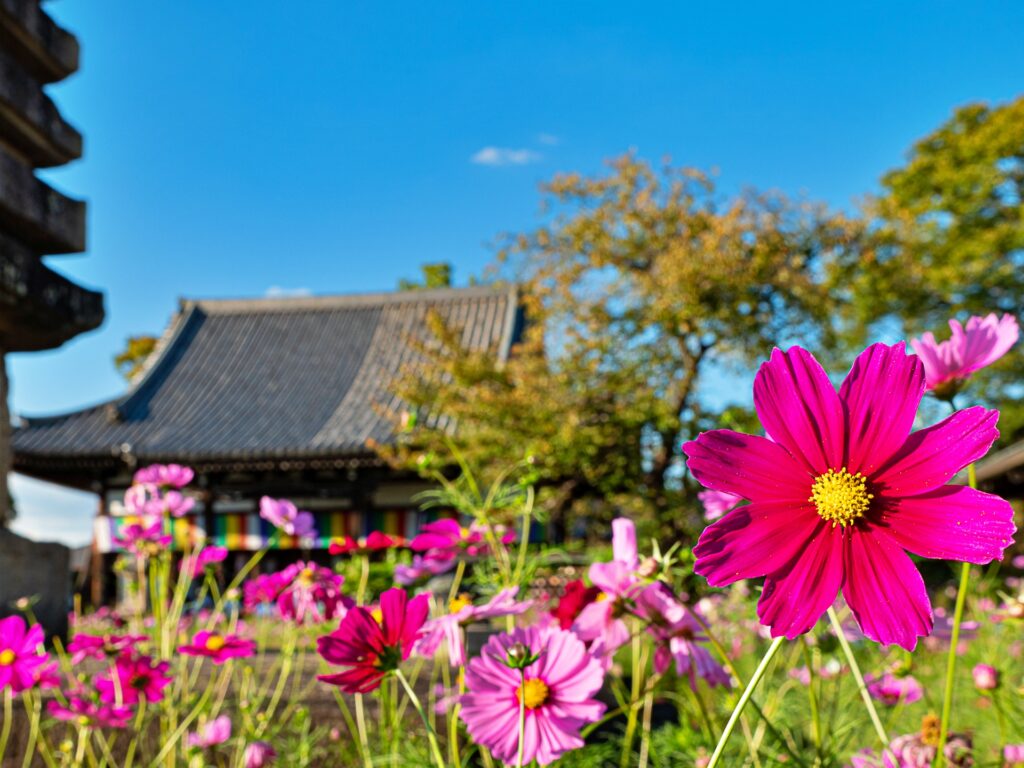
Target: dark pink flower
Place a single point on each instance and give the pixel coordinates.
(47, 676)
(445, 535)
(133, 678)
(263, 590)
(574, 599)
(372, 649)
(195, 564)
(948, 364)
(219, 648)
(164, 476)
(557, 690)
(86, 646)
(840, 489)
(19, 653)
(893, 689)
(90, 714)
(377, 541)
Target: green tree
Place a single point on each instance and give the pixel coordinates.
(435, 275)
(130, 360)
(946, 239)
(643, 290)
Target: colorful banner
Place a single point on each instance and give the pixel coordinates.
(248, 532)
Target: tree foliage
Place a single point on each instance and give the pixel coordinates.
(642, 290)
(946, 239)
(130, 360)
(435, 275)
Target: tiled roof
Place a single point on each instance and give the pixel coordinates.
(270, 378)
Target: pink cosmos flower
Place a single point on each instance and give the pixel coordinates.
(134, 678)
(717, 503)
(986, 678)
(197, 563)
(19, 653)
(372, 648)
(445, 535)
(557, 690)
(462, 612)
(841, 489)
(311, 592)
(258, 755)
(86, 646)
(47, 676)
(139, 537)
(89, 714)
(949, 363)
(262, 589)
(219, 648)
(1013, 754)
(282, 514)
(215, 732)
(421, 567)
(164, 476)
(678, 637)
(600, 622)
(891, 689)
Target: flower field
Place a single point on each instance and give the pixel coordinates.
(817, 620)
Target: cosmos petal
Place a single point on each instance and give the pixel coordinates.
(880, 395)
(800, 410)
(797, 595)
(747, 465)
(952, 523)
(884, 590)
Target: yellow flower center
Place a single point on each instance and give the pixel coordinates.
(601, 596)
(6, 657)
(456, 604)
(306, 576)
(378, 615)
(533, 692)
(841, 497)
(464, 533)
(930, 730)
(214, 643)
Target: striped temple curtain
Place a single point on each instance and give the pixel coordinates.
(249, 532)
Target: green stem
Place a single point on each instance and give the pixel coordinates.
(5, 735)
(645, 736)
(364, 740)
(744, 698)
(812, 696)
(435, 748)
(859, 678)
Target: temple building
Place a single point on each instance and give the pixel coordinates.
(39, 308)
(277, 396)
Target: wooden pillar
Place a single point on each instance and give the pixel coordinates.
(97, 569)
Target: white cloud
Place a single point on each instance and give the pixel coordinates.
(497, 156)
(48, 512)
(277, 292)
(549, 139)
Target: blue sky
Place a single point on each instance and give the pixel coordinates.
(235, 149)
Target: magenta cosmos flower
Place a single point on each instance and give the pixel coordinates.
(601, 621)
(89, 714)
(207, 556)
(164, 476)
(947, 364)
(134, 678)
(557, 690)
(372, 648)
(840, 488)
(284, 515)
(86, 646)
(219, 648)
(19, 653)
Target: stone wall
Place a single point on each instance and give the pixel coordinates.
(36, 570)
